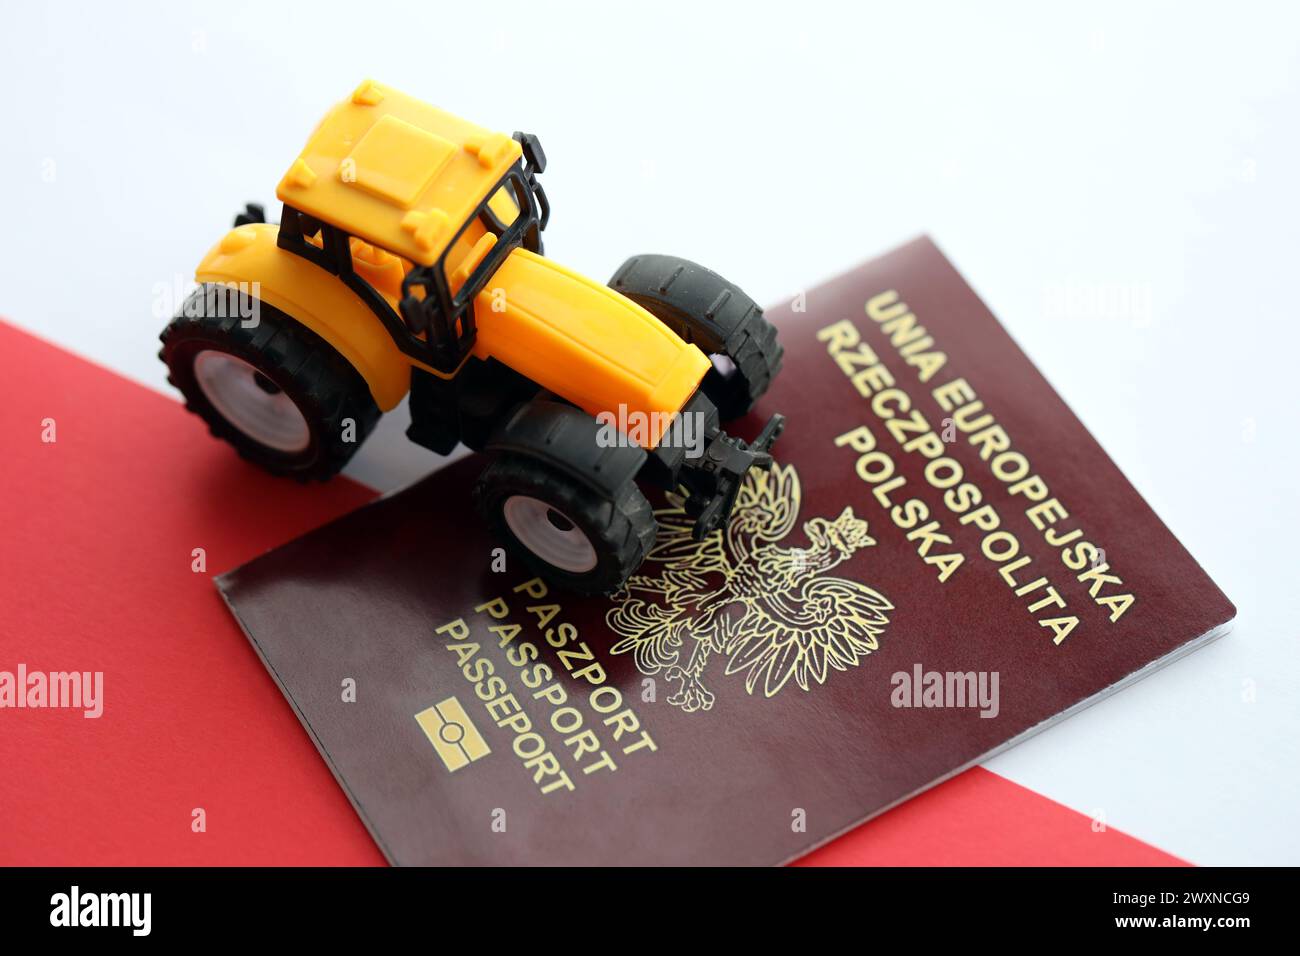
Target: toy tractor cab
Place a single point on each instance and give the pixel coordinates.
(408, 258)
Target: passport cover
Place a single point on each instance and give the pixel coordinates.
(942, 562)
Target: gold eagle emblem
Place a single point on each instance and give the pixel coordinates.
(771, 611)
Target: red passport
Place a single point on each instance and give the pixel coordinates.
(941, 562)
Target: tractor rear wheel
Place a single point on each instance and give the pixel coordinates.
(708, 311)
(568, 532)
(272, 388)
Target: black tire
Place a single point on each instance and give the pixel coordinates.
(620, 529)
(713, 314)
(287, 359)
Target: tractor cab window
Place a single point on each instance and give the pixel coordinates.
(497, 214)
(502, 207)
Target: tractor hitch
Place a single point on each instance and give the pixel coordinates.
(714, 480)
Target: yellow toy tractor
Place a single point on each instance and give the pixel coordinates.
(408, 258)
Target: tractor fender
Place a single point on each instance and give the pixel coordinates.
(248, 257)
(570, 440)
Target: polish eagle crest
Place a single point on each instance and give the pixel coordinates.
(773, 613)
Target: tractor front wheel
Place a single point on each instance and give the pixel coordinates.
(267, 384)
(585, 540)
(708, 311)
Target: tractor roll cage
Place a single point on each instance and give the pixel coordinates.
(434, 326)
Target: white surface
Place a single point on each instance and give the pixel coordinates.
(1118, 181)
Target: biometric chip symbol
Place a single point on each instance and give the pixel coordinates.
(455, 739)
